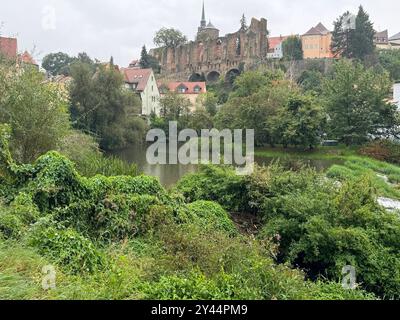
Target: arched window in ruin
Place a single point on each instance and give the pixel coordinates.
(238, 46)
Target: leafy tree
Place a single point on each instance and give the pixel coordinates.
(57, 63)
(357, 103)
(256, 97)
(200, 119)
(101, 105)
(175, 107)
(210, 102)
(36, 110)
(292, 48)
(300, 122)
(169, 38)
(311, 80)
(83, 57)
(390, 61)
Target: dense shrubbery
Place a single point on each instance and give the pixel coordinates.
(128, 238)
(318, 224)
(213, 183)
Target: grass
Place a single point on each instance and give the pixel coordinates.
(321, 153)
(353, 166)
(358, 166)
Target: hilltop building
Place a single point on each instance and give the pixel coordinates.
(381, 40)
(189, 90)
(317, 43)
(9, 49)
(275, 48)
(211, 56)
(143, 82)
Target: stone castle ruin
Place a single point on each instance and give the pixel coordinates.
(211, 56)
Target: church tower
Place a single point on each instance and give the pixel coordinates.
(206, 31)
(203, 22)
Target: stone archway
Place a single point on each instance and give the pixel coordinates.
(196, 77)
(231, 75)
(213, 76)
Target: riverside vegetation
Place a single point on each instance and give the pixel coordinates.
(112, 233)
(126, 237)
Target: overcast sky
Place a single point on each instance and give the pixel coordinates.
(120, 27)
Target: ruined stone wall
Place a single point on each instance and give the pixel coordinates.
(215, 57)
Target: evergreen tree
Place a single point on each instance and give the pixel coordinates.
(243, 23)
(363, 40)
(144, 58)
(340, 38)
(350, 41)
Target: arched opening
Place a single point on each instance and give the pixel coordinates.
(232, 75)
(196, 77)
(213, 76)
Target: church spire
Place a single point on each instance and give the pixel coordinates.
(203, 22)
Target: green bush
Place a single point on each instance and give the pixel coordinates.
(11, 225)
(211, 215)
(68, 249)
(214, 183)
(323, 232)
(195, 286)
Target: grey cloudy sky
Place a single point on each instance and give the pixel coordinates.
(120, 27)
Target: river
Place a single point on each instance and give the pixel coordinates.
(171, 174)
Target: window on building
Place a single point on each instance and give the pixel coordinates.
(197, 89)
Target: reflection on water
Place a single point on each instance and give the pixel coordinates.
(170, 174)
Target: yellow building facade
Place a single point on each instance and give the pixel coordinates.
(317, 43)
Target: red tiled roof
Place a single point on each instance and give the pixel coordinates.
(27, 58)
(140, 77)
(189, 86)
(8, 47)
(273, 42)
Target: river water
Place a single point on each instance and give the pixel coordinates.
(171, 174)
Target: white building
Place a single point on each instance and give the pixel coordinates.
(143, 82)
(275, 48)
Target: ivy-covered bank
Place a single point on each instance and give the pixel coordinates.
(128, 238)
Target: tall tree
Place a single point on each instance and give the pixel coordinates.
(363, 40)
(243, 23)
(101, 105)
(357, 103)
(57, 63)
(292, 48)
(342, 37)
(169, 38)
(144, 58)
(301, 122)
(353, 39)
(147, 61)
(36, 110)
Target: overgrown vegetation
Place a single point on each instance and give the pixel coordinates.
(127, 238)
